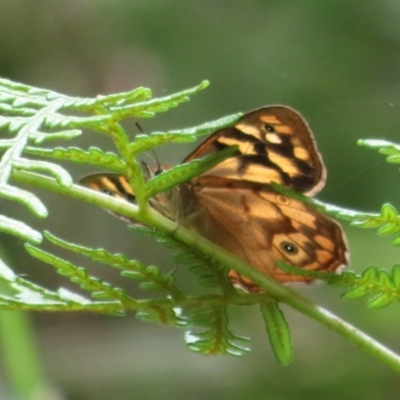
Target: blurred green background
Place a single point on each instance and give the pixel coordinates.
(337, 62)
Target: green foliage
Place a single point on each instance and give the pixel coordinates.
(97, 288)
(278, 331)
(209, 272)
(182, 173)
(93, 156)
(388, 222)
(34, 116)
(216, 338)
(391, 150)
(382, 287)
(151, 277)
(147, 142)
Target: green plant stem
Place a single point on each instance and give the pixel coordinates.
(278, 291)
(19, 349)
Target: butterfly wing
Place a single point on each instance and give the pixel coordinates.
(118, 186)
(261, 226)
(275, 144)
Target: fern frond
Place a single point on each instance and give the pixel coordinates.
(215, 337)
(183, 172)
(391, 150)
(388, 222)
(278, 332)
(380, 284)
(144, 142)
(93, 156)
(97, 288)
(209, 272)
(150, 276)
(148, 108)
(161, 315)
(383, 287)
(33, 116)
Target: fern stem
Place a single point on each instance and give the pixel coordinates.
(278, 291)
(19, 349)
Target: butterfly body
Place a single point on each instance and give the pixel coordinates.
(235, 206)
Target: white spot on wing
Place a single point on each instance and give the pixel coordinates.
(273, 138)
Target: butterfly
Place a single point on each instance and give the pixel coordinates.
(234, 205)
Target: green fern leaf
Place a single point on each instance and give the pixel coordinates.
(216, 338)
(278, 332)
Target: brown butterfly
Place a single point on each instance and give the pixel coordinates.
(235, 206)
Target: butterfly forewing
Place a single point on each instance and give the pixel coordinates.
(275, 144)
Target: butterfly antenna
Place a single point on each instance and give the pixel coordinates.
(154, 160)
(159, 169)
(146, 167)
(139, 127)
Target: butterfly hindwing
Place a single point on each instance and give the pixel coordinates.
(258, 224)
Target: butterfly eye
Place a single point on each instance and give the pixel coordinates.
(289, 248)
(269, 128)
